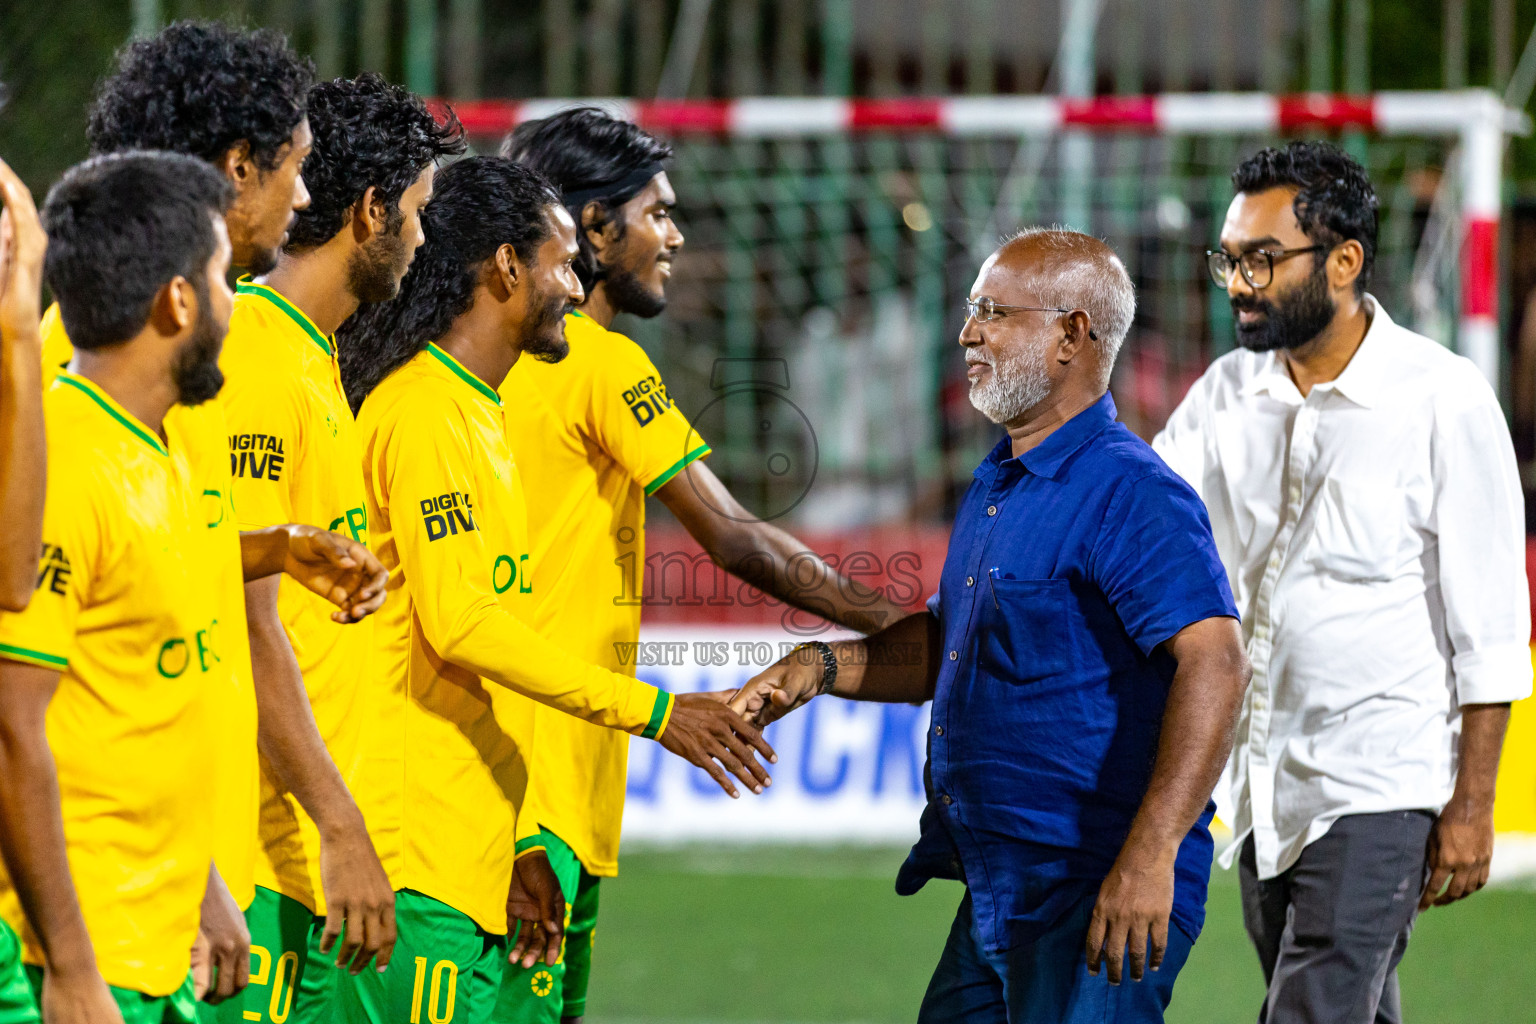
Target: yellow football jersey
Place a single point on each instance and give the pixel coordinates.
(124, 611)
(444, 769)
(295, 457)
(592, 435)
(204, 442)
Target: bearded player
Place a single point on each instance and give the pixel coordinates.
(449, 750)
(237, 100)
(296, 458)
(109, 679)
(594, 436)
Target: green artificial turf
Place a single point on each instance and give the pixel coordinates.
(793, 934)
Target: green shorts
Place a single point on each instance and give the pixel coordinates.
(542, 994)
(445, 970)
(17, 1003)
(137, 1008)
(292, 982)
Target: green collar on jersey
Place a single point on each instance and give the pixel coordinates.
(101, 398)
(458, 371)
(245, 286)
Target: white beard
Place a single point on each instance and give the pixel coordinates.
(1018, 382)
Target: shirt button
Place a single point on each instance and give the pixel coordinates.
(953, 655)
(991, 510)
(947, 799)
(938, 730)
(970, 581)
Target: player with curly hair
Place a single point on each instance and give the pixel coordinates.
(296, 458)
(187, 89)
(116, 680)
(237, 100)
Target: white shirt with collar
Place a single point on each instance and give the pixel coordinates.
(1374, 536)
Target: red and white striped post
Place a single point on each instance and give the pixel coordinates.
(1476, 117)
(1482, 154)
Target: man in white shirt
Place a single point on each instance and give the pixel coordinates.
(1362, 488)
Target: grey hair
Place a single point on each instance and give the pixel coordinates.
(1084, 273)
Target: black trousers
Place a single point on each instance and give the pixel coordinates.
(1331, 929)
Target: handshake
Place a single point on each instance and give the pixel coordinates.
(803, 673)
(704, 732)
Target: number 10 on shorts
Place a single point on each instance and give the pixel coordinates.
(436, 996)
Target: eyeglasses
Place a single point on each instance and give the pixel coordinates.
(984, 311)
(1258, 265)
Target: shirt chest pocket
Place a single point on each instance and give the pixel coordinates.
(1358, 530)
(1028, 630)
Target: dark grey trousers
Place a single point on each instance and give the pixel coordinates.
(1331, 929)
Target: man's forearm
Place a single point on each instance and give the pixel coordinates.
(287, 736)
(781, 566)
(768, 557)
(1482, 741)
(898, 665)
(23, 463)
(32, 841)
(1193, 746)
(263, 552)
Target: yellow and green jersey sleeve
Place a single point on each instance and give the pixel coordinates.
(629, 411)
(592, 435)
(124, 613)
(294, 455)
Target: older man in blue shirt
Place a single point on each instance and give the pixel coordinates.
(1085, 666)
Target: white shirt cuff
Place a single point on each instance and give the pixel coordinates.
(1495, 675)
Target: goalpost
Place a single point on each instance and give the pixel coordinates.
(839, 235)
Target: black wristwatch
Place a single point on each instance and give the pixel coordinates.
(828, 664)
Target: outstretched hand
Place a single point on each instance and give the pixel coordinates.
(707, 733)
(537, 907)
(342, 571)
(780, 688)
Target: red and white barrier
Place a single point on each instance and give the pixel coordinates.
(1476, 117)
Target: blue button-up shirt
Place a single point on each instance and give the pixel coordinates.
(1067, 569)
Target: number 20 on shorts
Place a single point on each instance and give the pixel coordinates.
(436, 997)
(281, 1003)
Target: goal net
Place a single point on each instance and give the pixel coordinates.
(814, 308)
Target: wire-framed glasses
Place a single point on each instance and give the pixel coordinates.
(983, 310)
(1257, 265)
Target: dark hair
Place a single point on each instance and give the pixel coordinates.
(1334, 200)
(367, 133)
(478, 205)
(120, 227)
(581, 150)
(199, 88)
